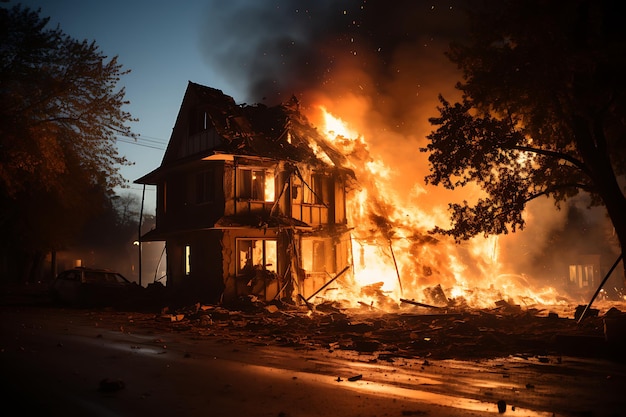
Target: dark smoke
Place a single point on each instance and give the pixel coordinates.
(285, 47)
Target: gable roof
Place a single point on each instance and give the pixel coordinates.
(279, 132)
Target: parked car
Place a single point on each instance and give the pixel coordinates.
(92, 287)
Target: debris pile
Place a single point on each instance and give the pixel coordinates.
(415, 330)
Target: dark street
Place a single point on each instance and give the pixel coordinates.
(77, 362)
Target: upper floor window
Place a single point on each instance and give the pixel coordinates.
(205, 186)
(321, 187)
(198, 121)
(316, 191)
(255, 184)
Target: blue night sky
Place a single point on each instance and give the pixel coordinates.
(257, 52)
(161, 45)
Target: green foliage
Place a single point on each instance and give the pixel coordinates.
(60, 112)
(542, 113)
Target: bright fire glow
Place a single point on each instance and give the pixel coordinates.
(395, 258)
(270, 192)
(334, 126)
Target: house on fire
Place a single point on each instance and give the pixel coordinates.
(251, 200)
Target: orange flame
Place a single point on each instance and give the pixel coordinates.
(393, 254)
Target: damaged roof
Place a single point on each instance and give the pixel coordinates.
(279, 132)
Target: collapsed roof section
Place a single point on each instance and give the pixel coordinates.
(279, 132)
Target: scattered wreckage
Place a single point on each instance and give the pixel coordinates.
(409, 329)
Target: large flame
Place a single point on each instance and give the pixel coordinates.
(394, 256)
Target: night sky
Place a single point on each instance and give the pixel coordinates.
(264, 52)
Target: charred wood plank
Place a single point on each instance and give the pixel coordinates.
(415, 303)
(306, 302)
(327, 284)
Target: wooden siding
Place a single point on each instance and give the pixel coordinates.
(313, 214)
(199, 142)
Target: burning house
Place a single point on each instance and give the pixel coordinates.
(251, 201)
(255, 201)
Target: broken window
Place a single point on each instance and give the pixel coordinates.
(321, 187)
(205, 186)
(255, 184)
(256, 254)
(318, 191)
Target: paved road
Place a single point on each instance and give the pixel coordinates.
(54, 361)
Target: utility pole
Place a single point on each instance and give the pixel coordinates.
(143, 197)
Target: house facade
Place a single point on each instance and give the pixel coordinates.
(251, 202)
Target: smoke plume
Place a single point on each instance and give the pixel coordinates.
(378, 65)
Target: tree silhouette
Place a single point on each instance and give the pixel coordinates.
(60, 112)
(542, 113)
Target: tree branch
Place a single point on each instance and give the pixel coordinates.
(559, 155)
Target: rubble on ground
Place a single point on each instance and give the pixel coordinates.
(415, 330)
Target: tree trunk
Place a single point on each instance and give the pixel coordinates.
(592, 144)
(615, 203)
(616, 207)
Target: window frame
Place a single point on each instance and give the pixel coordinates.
(242, 267)
(320, 184)
(321, 258)
(187, 254)
(315, 191)
(248, 186)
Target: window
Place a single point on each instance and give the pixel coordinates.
(321, 187)
(581, 275)
(255, 254)
(94, 277)
(198, 121)
(205, 186)
(317, 256)
(255, 184)
(70, 276)
(317, 192)
(187, 260)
